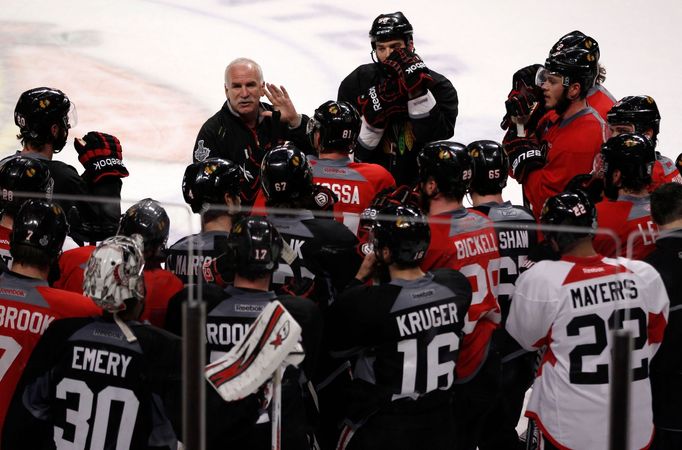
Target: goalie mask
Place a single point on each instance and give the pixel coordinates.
(113, 274)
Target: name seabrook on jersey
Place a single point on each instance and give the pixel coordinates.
(24, 320)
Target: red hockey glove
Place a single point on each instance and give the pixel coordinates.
(409, 69)
(525, 156)
(101, 156)
(381, 102)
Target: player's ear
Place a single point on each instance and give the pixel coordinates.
(616, 177)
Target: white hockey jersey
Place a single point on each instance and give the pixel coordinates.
(571, 306)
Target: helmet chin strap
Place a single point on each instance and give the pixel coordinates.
(127, 332)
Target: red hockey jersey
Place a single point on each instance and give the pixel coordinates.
(626, 216)
(572, 144)
(600, 99)
(465, 240)
(27, 307)
(664, 171)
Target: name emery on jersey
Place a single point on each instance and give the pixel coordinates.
(603, 293)
(100, 361)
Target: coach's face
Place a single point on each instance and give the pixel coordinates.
(244, 88)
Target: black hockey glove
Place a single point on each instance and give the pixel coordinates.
(525, 101)
(323, 199)
(592, 186)
(381, 102)
(409, 69)
(101, 156)
(525, 156)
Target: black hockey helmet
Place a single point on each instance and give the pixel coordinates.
(491, 167)
(390, 26)
(632, 154)
(638, 110)
(568, 209)
(576, 39)
(339, 126)
(150, 220)
(575, 65)
(38, 109)
(678, 163)
(206, 182)
(257, 246)
(22, 174)
(286, 174)
(40, 224)
(404, 231)
(450, 165)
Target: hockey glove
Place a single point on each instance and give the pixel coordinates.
(525, 102)
(101, 156)
(525, 156)
(409, 69)
(381, 102)
(323, 198)
(591, 185)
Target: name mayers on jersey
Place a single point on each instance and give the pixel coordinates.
(608, 291)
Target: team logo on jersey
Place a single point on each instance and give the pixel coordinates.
(44, 241)
(367, 248)
(321, 199)
(281, 335)
(201, 152)
(248, 176)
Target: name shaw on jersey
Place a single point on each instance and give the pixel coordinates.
(427, 318)
(24, 319)
(513, 239)
(100, 361)
(608, 291)
(476, 245)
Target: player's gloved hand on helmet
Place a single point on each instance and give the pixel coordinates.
(381, 102)
(409, 69)
(591, 185)
(101, 156)
(525, 155)
(525, 101)
(323, 199)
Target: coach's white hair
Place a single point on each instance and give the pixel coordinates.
(245, 62)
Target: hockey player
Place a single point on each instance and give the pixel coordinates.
(44, 116)
(333, 131)
(406, 336)
(245, 128)
(403, 103)
(464, 240)
(571, 306)
(111, 382)
(568, 136)
(27, 304)
(322, 256)
(491, 165)
(639, 114)
(148, 219)
(19, 176)
(254, 248)
(627, 160)
(666, 366)
(211, 188)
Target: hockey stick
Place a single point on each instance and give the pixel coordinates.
(276, 412)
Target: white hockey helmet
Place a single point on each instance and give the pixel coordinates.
(114, 272)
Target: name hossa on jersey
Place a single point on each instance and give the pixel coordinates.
(355, 185)
(465, 240)
(572, 306)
